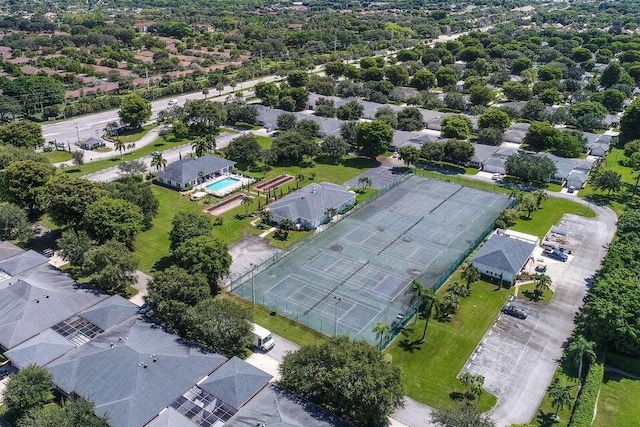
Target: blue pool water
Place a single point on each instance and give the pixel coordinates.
(219, 185)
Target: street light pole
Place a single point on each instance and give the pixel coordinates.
(253, 288)
(335, 324)
(77, 133)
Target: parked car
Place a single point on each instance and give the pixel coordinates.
(556, 254)
(496, 176)
(173, 102)
(571, 189)
(514, 311)
(541, 268)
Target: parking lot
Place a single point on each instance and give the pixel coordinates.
(519, 357)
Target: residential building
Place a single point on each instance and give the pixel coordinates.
(308, 207)
(191, 171)
(502, 258)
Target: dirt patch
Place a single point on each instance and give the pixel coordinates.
(250, 250)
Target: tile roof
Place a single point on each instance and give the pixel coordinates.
(117, 372)
(504, 253)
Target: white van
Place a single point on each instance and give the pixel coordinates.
(262, 338)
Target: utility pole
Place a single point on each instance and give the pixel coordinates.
(147, 72)
(77, 133)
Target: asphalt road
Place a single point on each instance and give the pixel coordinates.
(519, 357)
(171, 155)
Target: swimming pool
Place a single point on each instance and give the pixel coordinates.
(223, 183)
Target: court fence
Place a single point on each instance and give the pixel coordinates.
(240, 279)
(328, 327)
(404, 318)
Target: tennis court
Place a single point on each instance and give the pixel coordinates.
(356, 273)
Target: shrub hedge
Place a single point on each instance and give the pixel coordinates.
(582, 415)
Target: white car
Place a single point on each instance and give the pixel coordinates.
(496, 176)
(173, 102)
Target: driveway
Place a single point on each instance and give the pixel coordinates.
(519, 357)
(171, 155)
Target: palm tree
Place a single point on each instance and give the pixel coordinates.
(201, 146)
(365, 181)
(246, 201)
(543, 282)
(299, 178)
(459, 289)
(473, 383)
(158, 162)
(119, 145)
(265, 216)
(560, 396)
(541, 196)
(382, 333)
(470, 274)
(578, 350)
(330, 213)
(447, 305)
(426, 299)
(205, 92)
(220, 88)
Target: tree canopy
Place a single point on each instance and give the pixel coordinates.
(350, 378)
(110, 268)
(373, 138)
(134, 111)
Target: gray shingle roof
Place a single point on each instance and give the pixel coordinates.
(235, 382)
(40, 350)
(327, 125)
(311, 202)
(37, 300)
(171, 418)
(22, 262)
(187, 170)
(109, 371)
(482, 152)
(504, 253)
(277, 407)
(108, 313)
(8, 249)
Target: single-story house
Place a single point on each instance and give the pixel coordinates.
(268, 117)
(192, 171)
(419, 140)
(480, 154)
(326, 125)
(576, 179)
(308, 206)
(91, 143)
(597, 145)
(401, 138)
(516, 133)
(611, 121)
(564, 167)
(502, 258)
(496, 163)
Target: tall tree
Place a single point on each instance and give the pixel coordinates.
(14, 224)
(177, 284)
(74, 245)
(244, 150)
(201, 146)
(134, 110)
(67, 199)
(409, 155)
(30, 388)
(382, 333)
(350, 378)
(473, 383)
(607, 180)
(630, 122)
(159, 162)
(560, 396)
(186, 225)
(113, 219)
(580, 349)
(206, 255)
(24, 183)
(22, 134)
(204, 117)
(119, 145)
(373, 138)
(110, 268)
(72, 413)
(543, 282)
(139, 193)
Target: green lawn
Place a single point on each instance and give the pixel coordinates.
(134, 135)
(429, 370)
(152, 246)
(159, 144)
(544, 417)
(348, 168)
(613, 161)
(528, 292)
(552, 210)
(618, 402)
(280, 325)
(265, 142)
(57, 156)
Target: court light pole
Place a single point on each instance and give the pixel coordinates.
(253, 288)
(335, 324)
